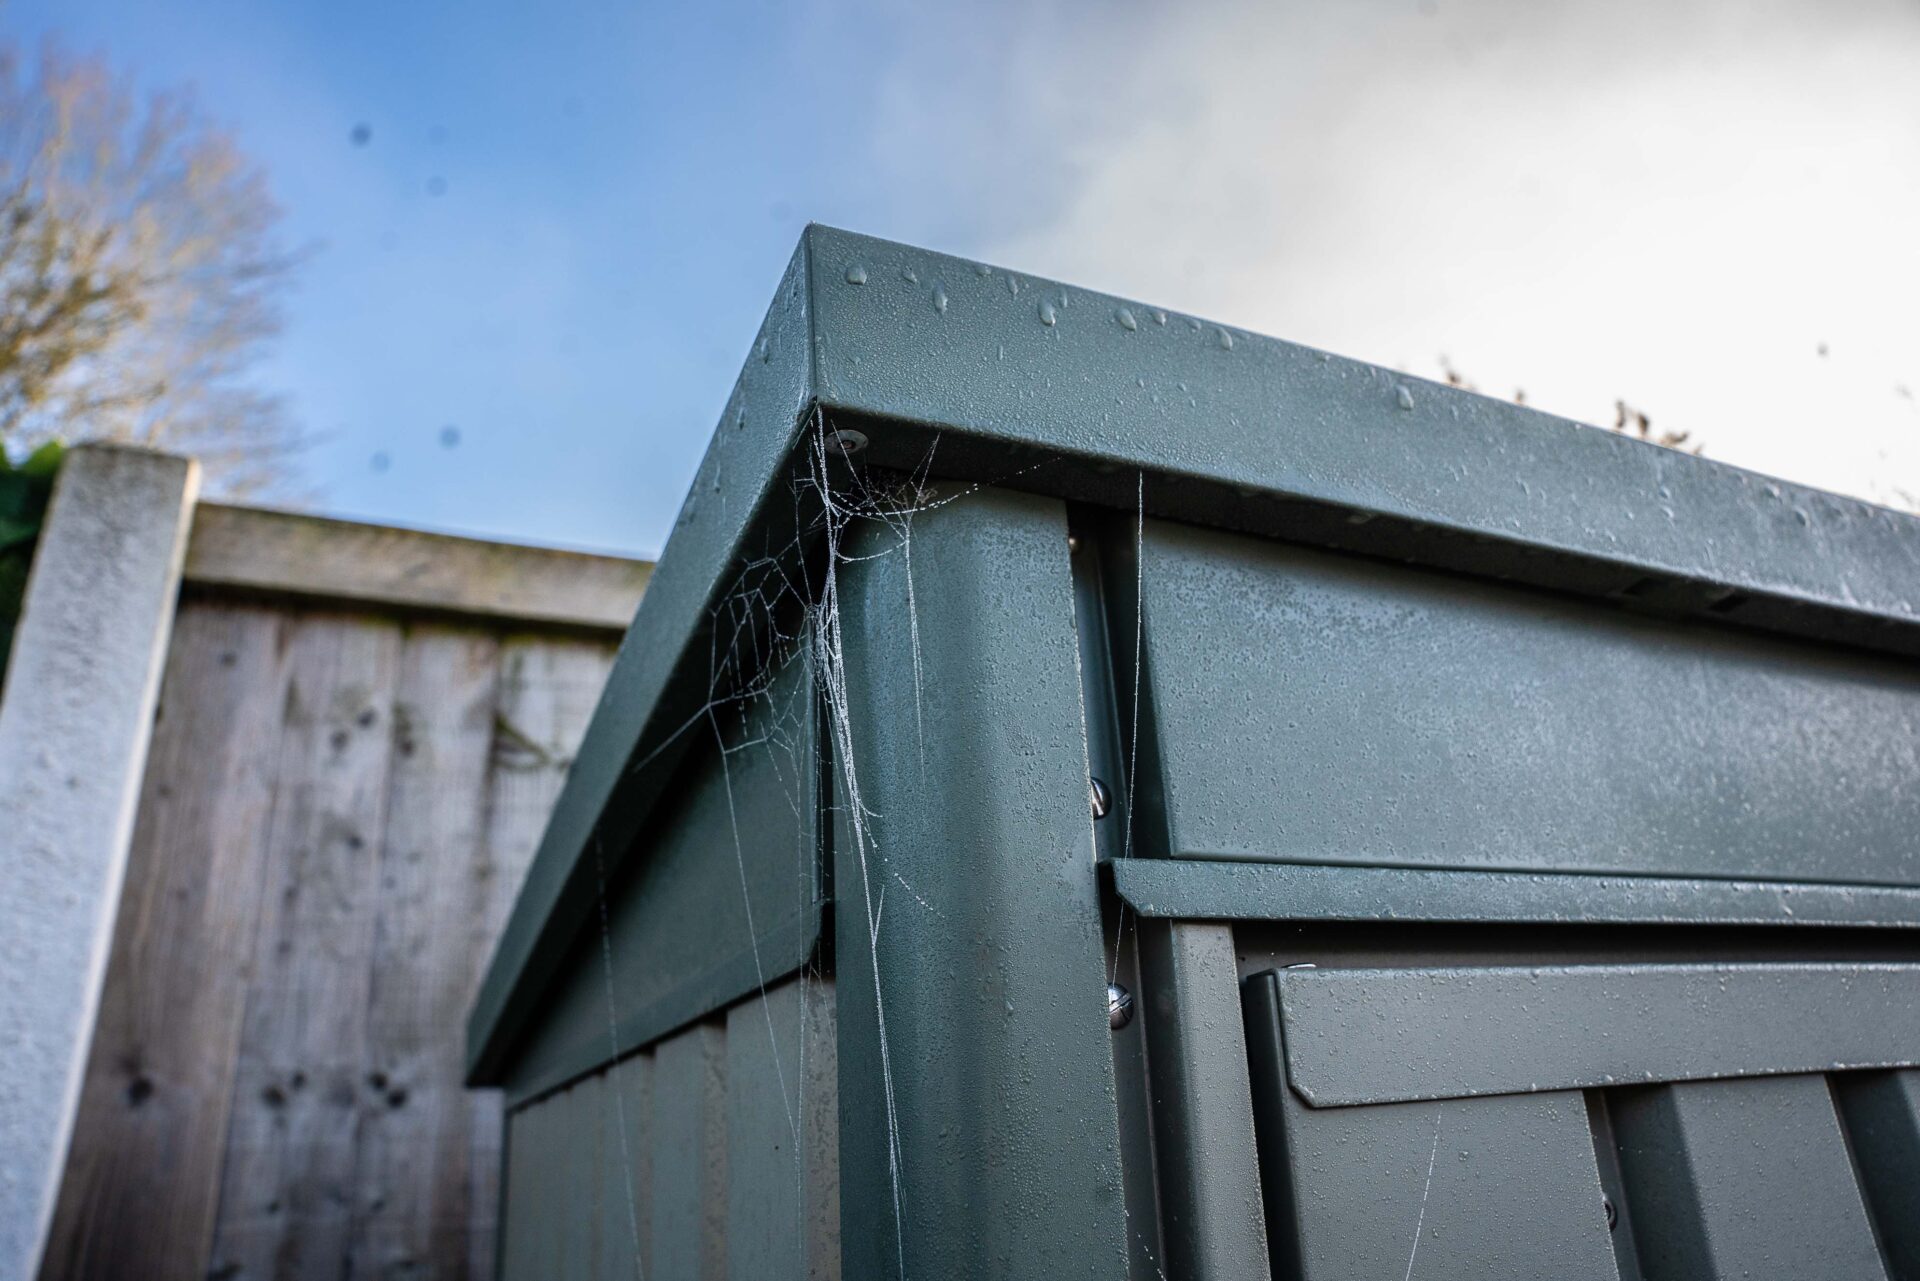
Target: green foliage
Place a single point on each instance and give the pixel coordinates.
(24, 491)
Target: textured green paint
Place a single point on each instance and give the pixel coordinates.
(739, 841)
(783, 1190)
(1739, 1179)
(1358, 1036)
(1204, 1127)
(1881, 1111)
(1325, 709)
(1238, 430)
(1208, 889)
(689, 1155)
(990, 964)
(1493, 1189)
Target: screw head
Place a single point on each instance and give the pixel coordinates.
(1100, 797)
(846, 441)
(1119, 1006)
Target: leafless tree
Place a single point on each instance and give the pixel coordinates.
(140, 272)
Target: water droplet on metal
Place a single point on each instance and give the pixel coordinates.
(1403, 397)
(1013, 285)
(856, 275)
(1047, 314)
(1225, 339)
(940, 300)
(1159, 317)
(981, 269)
(1119, 1006)
(909, 275)
(1127, 322)
(1098, 795)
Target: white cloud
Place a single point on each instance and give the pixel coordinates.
(1671, 202)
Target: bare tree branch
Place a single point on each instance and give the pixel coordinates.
(140, 274)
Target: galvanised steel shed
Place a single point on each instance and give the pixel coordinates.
(1095, 793)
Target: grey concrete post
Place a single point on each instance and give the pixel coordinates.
(75, 716)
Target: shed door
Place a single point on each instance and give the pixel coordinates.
(1589, 1121)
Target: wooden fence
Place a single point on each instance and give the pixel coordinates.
(360, 732)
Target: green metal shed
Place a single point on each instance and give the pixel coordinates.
(1507, 832)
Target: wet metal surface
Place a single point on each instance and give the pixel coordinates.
(1385, 1035)
(1314, 708)
(1222, 890)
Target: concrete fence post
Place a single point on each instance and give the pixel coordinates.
(75, 716)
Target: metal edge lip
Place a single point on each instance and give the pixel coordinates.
(1199, 403)
(1211, 889)
(1357, 1037)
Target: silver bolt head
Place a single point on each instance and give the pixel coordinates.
(1119, 1006)
(1100, 798)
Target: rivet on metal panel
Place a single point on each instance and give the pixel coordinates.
(847, 441)
(1119, 1006)
(1101, 798)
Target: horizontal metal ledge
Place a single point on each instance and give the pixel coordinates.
(1212, 889)
(1391, 1036)
(782, 949)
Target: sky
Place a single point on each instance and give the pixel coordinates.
(533, 280)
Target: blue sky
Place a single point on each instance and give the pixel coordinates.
(1677, 203)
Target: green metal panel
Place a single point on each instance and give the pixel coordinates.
(1210, 1178)
(623, 1181)
(976, 1075)
(1274, 438)
(689, 1140)
(1473, 1189)
(552, 1199)
(1322, 709)
(1881, 1112)
(740, 843)
(783, 1192)
(687, 1160)
(521, 1195)
(1389, 1035)
(1736, 1179)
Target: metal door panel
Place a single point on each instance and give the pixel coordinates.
(1474, 1189)
(1388, 1035)
(1881, 1111)
(1740, 1179)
